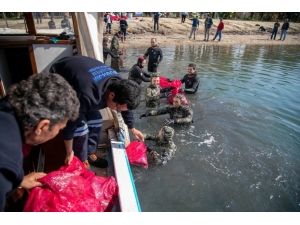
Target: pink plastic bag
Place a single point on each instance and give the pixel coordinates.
(73, 188)
(136, 153)
(163, 82)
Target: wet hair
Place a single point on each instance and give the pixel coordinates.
(105, 39)
(126, 91)
(180, 97)
(192, 65)
(43, 96)
(167, 133)
(140, 60)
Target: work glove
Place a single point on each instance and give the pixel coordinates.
(155, 64)
(165, 159)
(168, 121)
(165, 95)
(144, 115)
(169, 88)
(149, 148)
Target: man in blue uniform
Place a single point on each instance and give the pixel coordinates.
(98, 86)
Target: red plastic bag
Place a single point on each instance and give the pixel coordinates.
(163, 82)
(136, 153)
(73, 188)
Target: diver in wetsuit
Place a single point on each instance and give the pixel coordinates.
(155, 56)
(137, 74)
(191, 80)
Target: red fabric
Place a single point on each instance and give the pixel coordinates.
(115, 18)
(73, 188)
(220, 26)
(136, 153)
(163, 82)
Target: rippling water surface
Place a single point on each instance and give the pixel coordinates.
(241, 153)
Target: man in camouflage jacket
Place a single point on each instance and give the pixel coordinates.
(179, 114)
(154, 92)
(164, 145)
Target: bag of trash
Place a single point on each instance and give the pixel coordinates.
(176, 83)
(136, 153)
(73, 188)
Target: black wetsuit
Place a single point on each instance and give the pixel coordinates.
(191, 83)
(155, 57)
(138, 75)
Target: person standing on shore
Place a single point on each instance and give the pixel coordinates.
(155, 56)
(108, 23)
(219, 30)
(183, 16)
(123, 28)
(275, 29)
(156, 16)
(284, 29)
(195, 26)
(207, 25)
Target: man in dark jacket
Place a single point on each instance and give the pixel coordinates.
(123, 28)
(275, 29)
(156, 16)
(155, 56)
(97, 86)
(207, 25)
(284, 29)
(137, 74)
(32, 112)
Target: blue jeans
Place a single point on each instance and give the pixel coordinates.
(219, 33)
(274, 32)
(108, 28)
(87, 135)
(193, 31)
(124, 33)
(283, 35)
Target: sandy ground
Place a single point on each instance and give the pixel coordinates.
(172, 31)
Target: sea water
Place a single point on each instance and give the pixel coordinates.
(242, 152)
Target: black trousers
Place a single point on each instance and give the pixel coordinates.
(183, 18)
(156, 24)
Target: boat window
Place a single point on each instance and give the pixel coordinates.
(53, 22)
(12, 23)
